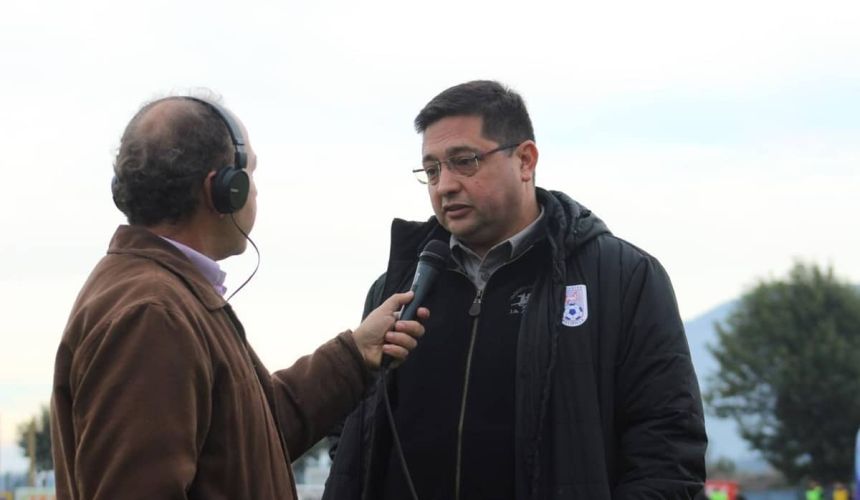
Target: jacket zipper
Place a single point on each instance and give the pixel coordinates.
(474, 312)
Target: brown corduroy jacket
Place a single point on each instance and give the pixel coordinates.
(157, 393)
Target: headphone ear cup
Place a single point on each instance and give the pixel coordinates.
(230, 188)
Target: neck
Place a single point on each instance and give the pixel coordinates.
(530, 213)
(192, 233)
(182, 234)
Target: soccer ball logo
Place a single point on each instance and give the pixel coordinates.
(575, 306)
(573, 313)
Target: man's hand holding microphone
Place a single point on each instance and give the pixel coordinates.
(383, 332)
(397, 315)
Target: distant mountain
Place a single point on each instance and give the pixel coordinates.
(723, 434)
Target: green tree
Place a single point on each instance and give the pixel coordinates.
(723, 468)
(789, 373)
(44, 461)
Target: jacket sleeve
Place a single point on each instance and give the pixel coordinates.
(371, 302)
(660, 423)
(318, 391)
(141, 392)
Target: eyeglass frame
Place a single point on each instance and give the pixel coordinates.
(476, 157)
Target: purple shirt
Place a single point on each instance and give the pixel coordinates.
(210, 269)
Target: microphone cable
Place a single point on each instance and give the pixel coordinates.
(397, 446)
(431, 261)
(257, 250)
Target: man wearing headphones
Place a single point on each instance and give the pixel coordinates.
(157, 393)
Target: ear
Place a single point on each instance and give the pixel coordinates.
(527, 152)
(206, 191)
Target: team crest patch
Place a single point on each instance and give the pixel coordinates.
(575, 306)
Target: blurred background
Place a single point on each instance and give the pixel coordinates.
(723, 138)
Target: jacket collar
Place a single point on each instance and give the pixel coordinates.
(140, 242)
(568, 223)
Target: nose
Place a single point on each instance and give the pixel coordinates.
(448, 182)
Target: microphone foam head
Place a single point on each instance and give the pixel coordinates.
(435, 253)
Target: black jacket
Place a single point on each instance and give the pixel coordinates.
(607, 409)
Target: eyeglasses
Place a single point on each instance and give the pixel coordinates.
(465, 165)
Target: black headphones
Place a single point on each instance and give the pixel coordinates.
(231, 183)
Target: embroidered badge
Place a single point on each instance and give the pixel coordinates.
(575, 306)
(519, 300)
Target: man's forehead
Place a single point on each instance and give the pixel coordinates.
(454, 133)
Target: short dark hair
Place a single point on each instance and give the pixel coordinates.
(505, 117)
(162, 161)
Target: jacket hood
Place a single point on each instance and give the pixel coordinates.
(568, 222)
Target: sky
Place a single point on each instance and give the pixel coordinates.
(721, 137)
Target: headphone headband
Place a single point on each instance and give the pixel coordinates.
(240, 158)
(231, 184)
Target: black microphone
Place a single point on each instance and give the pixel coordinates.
(431, 262)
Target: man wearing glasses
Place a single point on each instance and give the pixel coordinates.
(555, 364)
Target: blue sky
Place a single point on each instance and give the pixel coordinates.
(723, 138)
